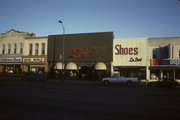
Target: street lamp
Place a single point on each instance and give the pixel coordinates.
(61, 22)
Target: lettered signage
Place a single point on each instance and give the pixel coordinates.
(79, 52)
(36, 60)
(125, 50)
(134, 51)
(10, 59)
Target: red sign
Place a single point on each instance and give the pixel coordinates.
(125, 51)
(78, 52)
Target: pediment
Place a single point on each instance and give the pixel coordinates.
(12, 32)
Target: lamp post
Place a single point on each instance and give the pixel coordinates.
(61, 22)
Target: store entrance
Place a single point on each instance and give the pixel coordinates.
(168, 74)
(85, 73)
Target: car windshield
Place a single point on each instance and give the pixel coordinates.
(115, 76)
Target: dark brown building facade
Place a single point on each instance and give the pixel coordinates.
(81, 56)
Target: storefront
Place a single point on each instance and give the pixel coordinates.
(165, 69)
(10, 64)
(85, 56)
(34, 64)
(129, 57)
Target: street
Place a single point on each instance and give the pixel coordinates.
(77, 100)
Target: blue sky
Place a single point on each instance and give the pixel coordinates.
(126, 18)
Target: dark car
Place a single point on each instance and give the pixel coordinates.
(164, 83)
(35, 77)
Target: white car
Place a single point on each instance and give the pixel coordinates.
(116, 78)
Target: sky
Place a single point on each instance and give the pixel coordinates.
(125, 18)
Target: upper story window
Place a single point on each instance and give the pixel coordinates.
(3, 48)
(9, 48)
(15, 48)
(21, 48)
(36, 49)
(30, 48)
(43, 48)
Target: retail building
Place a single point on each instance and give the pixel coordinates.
(11, 50)
(81, 56)
(35, 55)
(22, 52)
(130, 57)
(147, 58)
(164, 57)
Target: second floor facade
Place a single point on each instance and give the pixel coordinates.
(15, 43)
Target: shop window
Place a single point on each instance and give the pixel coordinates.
(3, 49)
(9, 48)
(177, 74)
(15, 48)
(43, 48)
(21, 48)
(30, 48)
(36, 49)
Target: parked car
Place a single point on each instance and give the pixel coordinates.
(164, 83)
(116, 78)
(35, 77)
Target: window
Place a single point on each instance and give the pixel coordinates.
(15, 48)
(3, 49)
(9, 48)
(21, 48)
(36, 49)
(30, 48)
(43, 48)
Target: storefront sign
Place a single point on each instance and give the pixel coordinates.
(135, 59)
(165, 62)
(36, 60)
(78, 52)
(10, 59)
(175, 62)
(125, 50)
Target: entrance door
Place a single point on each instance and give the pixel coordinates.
(168, 74)
(85, 73)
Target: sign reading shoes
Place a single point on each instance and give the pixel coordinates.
(125, 50)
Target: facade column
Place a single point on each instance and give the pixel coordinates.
(174, 77)
(147, 74)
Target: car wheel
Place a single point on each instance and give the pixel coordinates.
(106, 82)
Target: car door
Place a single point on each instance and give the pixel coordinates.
(114, 79)
(123, 79)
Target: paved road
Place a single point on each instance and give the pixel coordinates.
(74, 100)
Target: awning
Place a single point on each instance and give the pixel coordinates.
(71, 66)
(100, 66)
(164, 67)
(59, 66)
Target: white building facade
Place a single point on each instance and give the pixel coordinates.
(14, 51)
(11, 50)
(129, 57)
(164, 57)
(147, 58)
(35, 55)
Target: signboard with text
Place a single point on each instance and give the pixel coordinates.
(11, 59)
